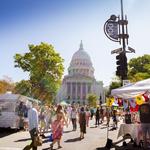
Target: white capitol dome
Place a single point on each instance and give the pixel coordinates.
(81, 63)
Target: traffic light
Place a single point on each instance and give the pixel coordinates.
(121, 65)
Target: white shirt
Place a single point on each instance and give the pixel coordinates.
(73, 114)
(33, 118)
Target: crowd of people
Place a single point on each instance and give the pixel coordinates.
(52, 119)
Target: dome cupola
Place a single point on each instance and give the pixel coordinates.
(81, 63)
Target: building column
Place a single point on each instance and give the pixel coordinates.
(76, 90)
(81, 91)
(86, 89)
(71, 90)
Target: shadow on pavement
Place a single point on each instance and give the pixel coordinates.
(22, 140)
(73, 140)
(68, 131)
(102, 148)
(127, 146)
(6, 132)
(120, 148)
(46, 141)
(103, 127)
(49, 149)
(94, 127)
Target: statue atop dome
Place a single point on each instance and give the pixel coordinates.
(81, 46)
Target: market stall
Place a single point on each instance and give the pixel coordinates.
(132, 90)
(13, 108)
(133, 96)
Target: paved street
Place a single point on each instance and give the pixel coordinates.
(95, 137)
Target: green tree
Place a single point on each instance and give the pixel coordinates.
(45, 67)
(139, 68)
(23, 87)
(92, 100)
(116, 83)
(6, 86)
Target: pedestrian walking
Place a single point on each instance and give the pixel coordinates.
(101, 115)
(42, 121)
(82, 122)
(97, 116)
(33, 124)
(92, 112)
(73, 117)
(57, 127)
(88, 114)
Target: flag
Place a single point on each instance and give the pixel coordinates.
(109, 101)
(125, 104)
(115, 103)
(139, 99)
(135, 109)
(120, 102)
(146, 96)
(132, 102)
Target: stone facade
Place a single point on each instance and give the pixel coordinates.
(80, 80)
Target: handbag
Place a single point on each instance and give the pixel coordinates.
(37, 141)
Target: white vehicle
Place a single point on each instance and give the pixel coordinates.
(9, 114)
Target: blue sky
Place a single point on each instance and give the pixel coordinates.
(64, 23)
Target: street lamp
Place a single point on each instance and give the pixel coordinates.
(116, 29)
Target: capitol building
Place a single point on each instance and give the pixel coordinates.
(80, 80)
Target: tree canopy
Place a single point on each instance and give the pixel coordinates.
(6, 86)
(23, 87)
(92, 100)
(45, 67)
(139, 68)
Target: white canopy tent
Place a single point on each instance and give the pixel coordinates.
(132, 90)
(16, 97)
(9, 112)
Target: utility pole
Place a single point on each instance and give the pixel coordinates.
(124, 40)
(116, 29)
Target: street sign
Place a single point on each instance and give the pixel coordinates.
(131, 49)
(111, 29)
(119, 50)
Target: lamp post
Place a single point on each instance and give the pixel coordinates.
(115, 28)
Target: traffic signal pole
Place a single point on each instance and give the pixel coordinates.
(115, 28)
(123, 38)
